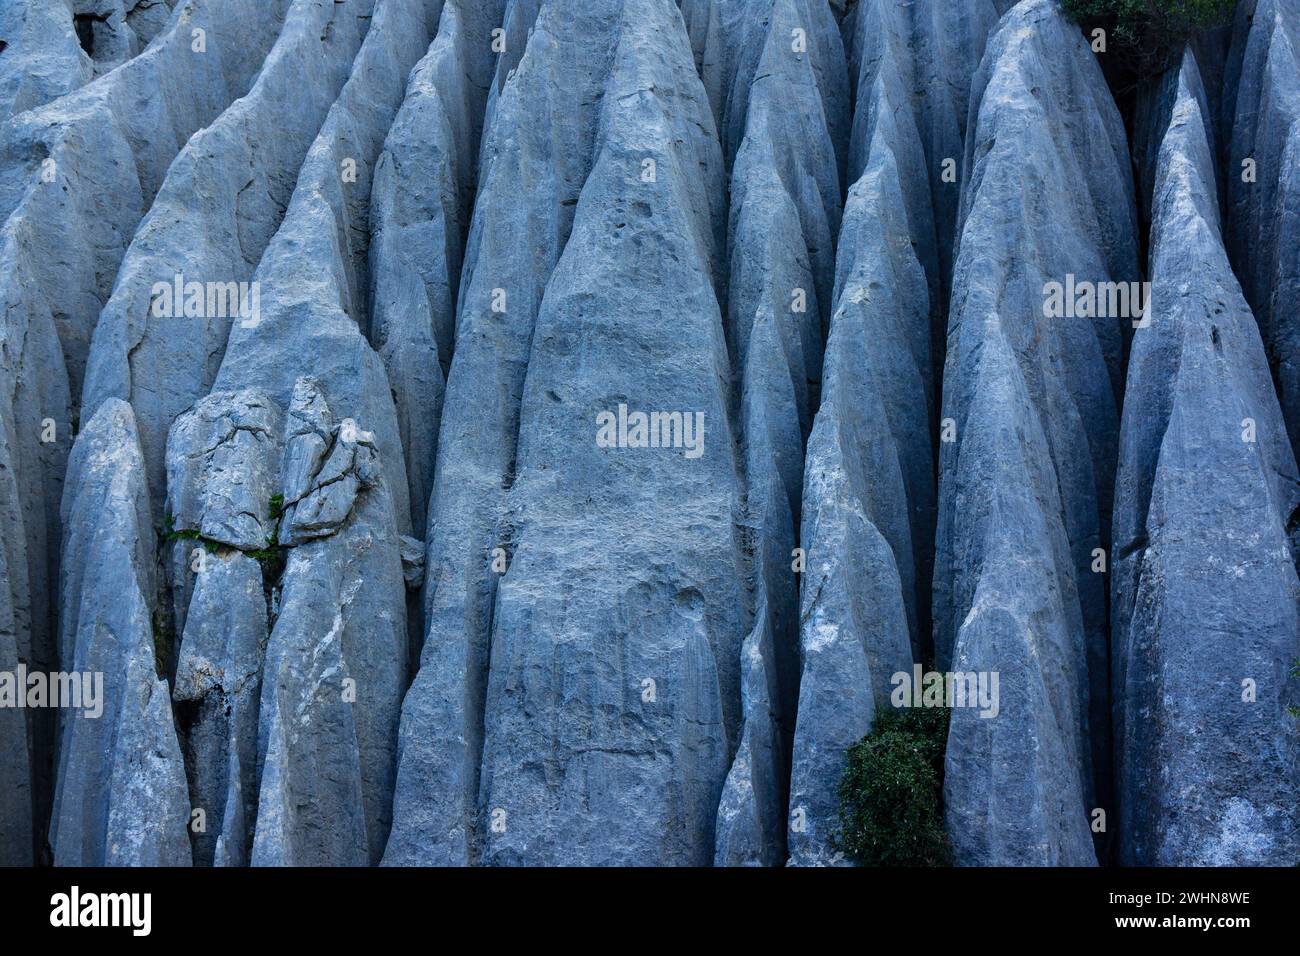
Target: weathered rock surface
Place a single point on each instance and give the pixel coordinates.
(18, 828)
(729, 38)
(785, 210)
(868, 492)
(52, 47)
(562, 325)
(1205, 587)
(750, 829)
(336, 655)
(222, 477)
(121, 797)
(421, 201)
(627, 640)
(110, 154)
(1263, 177)
(41, 58)
(926, 55)
(541, 116)
(222, 200)
(619, 614)
(217, 690)
(113, 31)
(1025, 485)
(86, 166)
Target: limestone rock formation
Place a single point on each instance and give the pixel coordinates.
(41, 58)
(336, 655)
(629, 642)
(868, 482)
(1205, 587)
(1025, 485)
(785, 202)
(421, 201)
(113, 31)
(185, 278)
(121, 797)
(1263, 177)
(86, 165)
(537, 432)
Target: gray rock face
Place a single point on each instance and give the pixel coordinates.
(335, 658)
(853, 632)
(869, 497)
(222, 473)
(868, 491)
(222, 476)
(41, 58)
(730, 37)
(548, 96)
(17, 818)
(110, 155)
(1205, 489)
(121, 797)
(1263, 177)
(113, 31)
(51, 47)
(160, 348)
(421, 201)
(1024, 486)
(751, 811)
(217, 689)
(581, 361)
(235, 462)
(785, 209)
(927, 54)
(627, 641)
(86, 166)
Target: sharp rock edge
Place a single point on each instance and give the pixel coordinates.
(1021, 510)
(785, 209)
(487, 226)
(221, 202)
(53, 47)
(336, 656)
(86, 164)
(121, 797)
(1263, 214)
(628, 641)
(421, 201)
(1201, 530)
(42, 59)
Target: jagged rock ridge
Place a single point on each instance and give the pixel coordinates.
(1205, 488)
(628, 391)
(1024, 490)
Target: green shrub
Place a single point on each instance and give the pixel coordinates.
(1148, 34)
(891, 810)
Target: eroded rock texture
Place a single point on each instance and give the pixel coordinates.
(1205, 586)
(1025, 483)
(120, 798)
(158, 347)
(527, 432)
(335, 663)
(785, 210)
(87, 165)
(421, 202)
(628, 642)
(41, 58)
(1263, 177)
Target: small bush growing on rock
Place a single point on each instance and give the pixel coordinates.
(1148, 34)
(891, 791)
